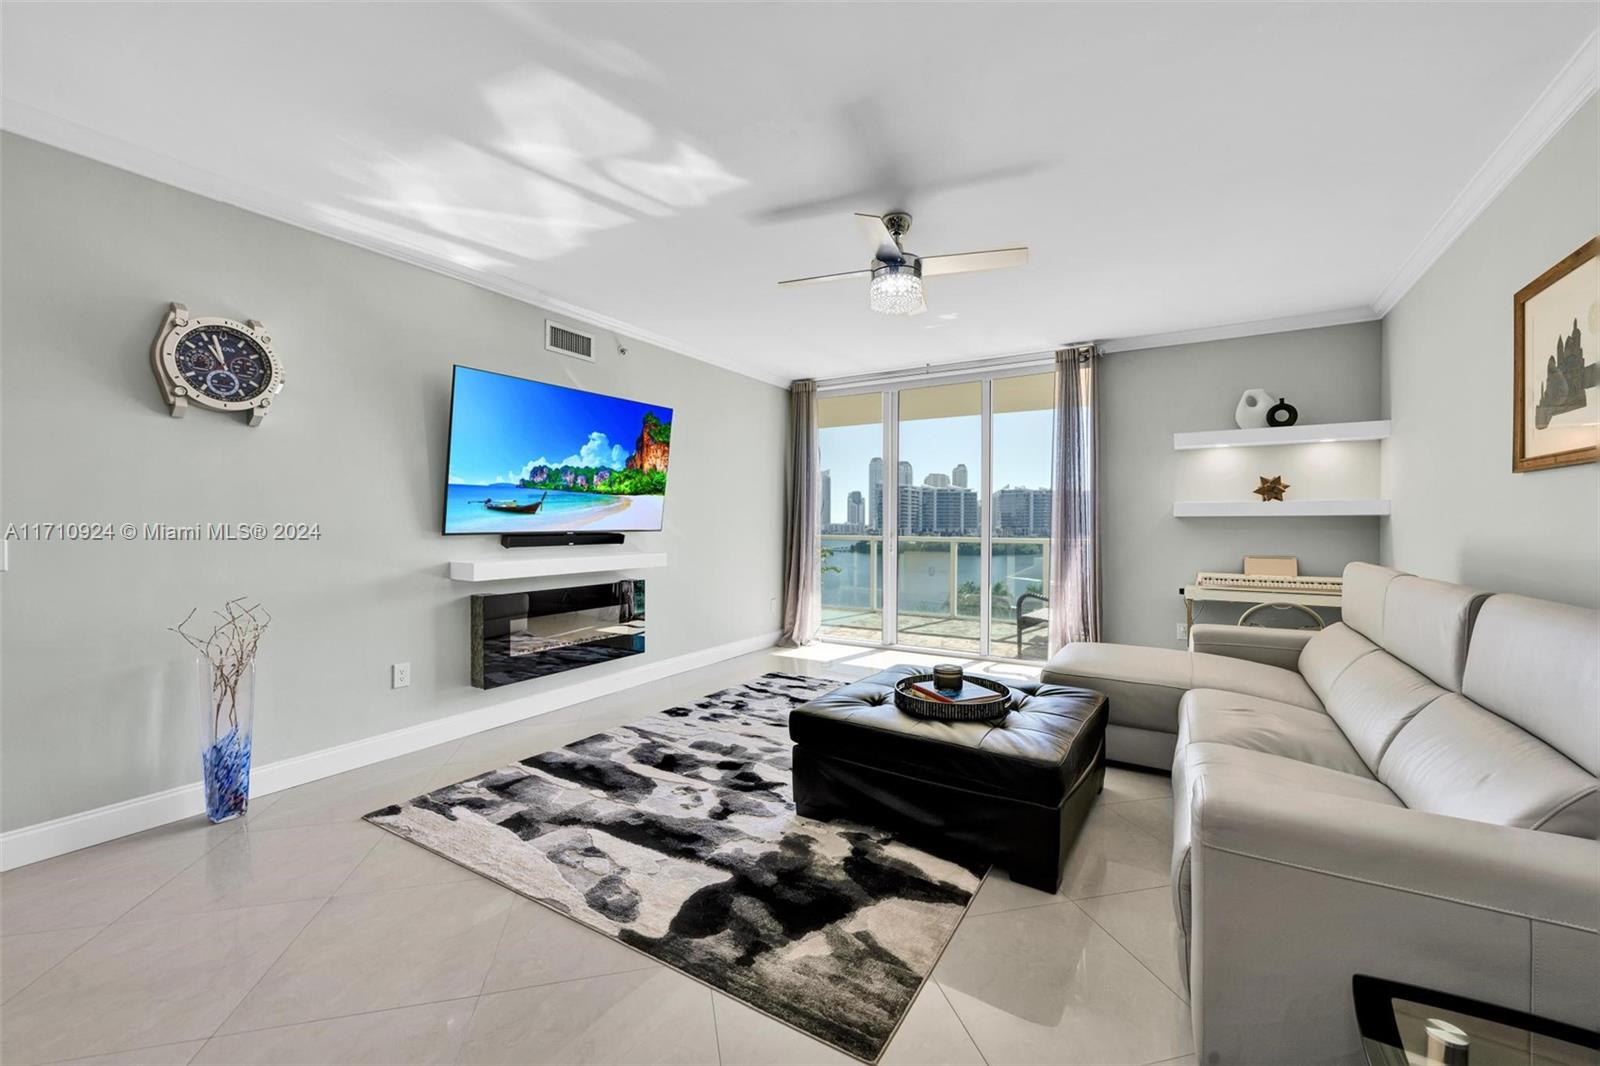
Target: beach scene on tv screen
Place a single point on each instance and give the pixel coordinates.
(527, 457)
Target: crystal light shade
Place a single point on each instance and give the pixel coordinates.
(897, 289)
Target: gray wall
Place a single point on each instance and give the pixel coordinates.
(1460, 513)
(96, 696)
(1329, 374)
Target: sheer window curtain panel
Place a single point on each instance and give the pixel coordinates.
(802, 598)
(1075, 503)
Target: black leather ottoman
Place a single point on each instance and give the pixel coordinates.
(1012, 793)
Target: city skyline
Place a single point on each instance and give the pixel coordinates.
(944, 451)
(938, 506)
(1021, 444)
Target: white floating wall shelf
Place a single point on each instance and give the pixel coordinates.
(551, 562)
(1254, 438)
(1278, 509)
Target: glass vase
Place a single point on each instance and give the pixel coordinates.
(227, 711)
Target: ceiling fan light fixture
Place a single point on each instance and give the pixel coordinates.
(897, 289)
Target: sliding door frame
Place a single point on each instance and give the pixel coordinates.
(890, 533)
(889, 588)
(985, 519)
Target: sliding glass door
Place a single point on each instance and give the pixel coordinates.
(938, 518)
(1021, 427)
(850, 437)
(935, 515)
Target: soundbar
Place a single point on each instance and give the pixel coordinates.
(546, 540)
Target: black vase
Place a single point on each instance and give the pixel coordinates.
(1282, 414)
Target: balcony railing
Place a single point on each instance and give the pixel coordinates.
(940, 592)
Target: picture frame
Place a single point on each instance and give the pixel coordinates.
(1555, 397)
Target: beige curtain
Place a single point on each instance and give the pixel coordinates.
(802, 600)
(1075, 503)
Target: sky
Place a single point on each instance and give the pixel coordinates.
(501, 426)
(936, 445)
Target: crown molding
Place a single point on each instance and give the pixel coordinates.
(1315, 320)
(25, 120)
(1570, 90)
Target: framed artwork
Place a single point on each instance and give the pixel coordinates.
(1556, 391)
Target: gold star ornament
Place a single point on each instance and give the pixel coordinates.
(1271, 489)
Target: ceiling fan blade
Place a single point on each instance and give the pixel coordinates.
(828, 277)
(886, 168)
(878, 238)
(967, 262)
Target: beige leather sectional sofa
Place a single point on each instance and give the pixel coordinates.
(1410, 793)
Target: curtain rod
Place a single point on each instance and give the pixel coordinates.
(927, 371)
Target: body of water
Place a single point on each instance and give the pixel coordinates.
(561, 511)
(925, 574)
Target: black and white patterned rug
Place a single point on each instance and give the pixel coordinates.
(677, 836)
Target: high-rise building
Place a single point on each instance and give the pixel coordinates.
(856, 509)
(908, 517)
(1039, 512)
(958, 476)
(875, 495)
(1022, 512)
(939, 506)
(827, 498)
(946, 511)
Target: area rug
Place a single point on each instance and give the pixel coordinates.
(677, 836)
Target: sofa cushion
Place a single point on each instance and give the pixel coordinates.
(1222, 762)
(1374, 699)
(1214, 716)
(1329, 654)
(1144, 685)
(1253, 679)
(1261, 644)
(1458, 759)
(1535, 663)
(1365, 589)
(1426, 625)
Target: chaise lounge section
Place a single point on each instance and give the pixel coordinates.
(1414, 796)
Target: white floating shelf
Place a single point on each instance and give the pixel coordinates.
(550, 562)
(1257, 438)
(1279, 509)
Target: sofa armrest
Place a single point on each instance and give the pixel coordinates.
(1293, 893)
(1262, 644)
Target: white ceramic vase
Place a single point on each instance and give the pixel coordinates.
(1252, 410)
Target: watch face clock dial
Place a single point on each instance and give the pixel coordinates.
(216, 363)
(223, 364)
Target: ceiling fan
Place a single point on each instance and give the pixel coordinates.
(896, 287)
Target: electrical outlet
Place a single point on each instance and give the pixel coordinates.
(400, 675)
(1183, 632)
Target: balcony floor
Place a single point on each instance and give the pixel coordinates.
(940, 632)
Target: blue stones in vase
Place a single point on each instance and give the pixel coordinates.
(225, 770)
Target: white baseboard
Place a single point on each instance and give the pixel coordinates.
(61, 835)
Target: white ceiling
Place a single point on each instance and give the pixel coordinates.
(1173, 166)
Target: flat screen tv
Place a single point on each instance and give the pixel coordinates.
(530, 457)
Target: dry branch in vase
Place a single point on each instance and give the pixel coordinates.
(230, 648)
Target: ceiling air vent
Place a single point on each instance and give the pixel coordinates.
(558, 338)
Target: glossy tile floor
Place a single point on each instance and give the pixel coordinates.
(302, 935)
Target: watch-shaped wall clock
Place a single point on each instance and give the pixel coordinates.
(216, 363)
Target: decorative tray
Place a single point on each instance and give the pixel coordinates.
(909, 701)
